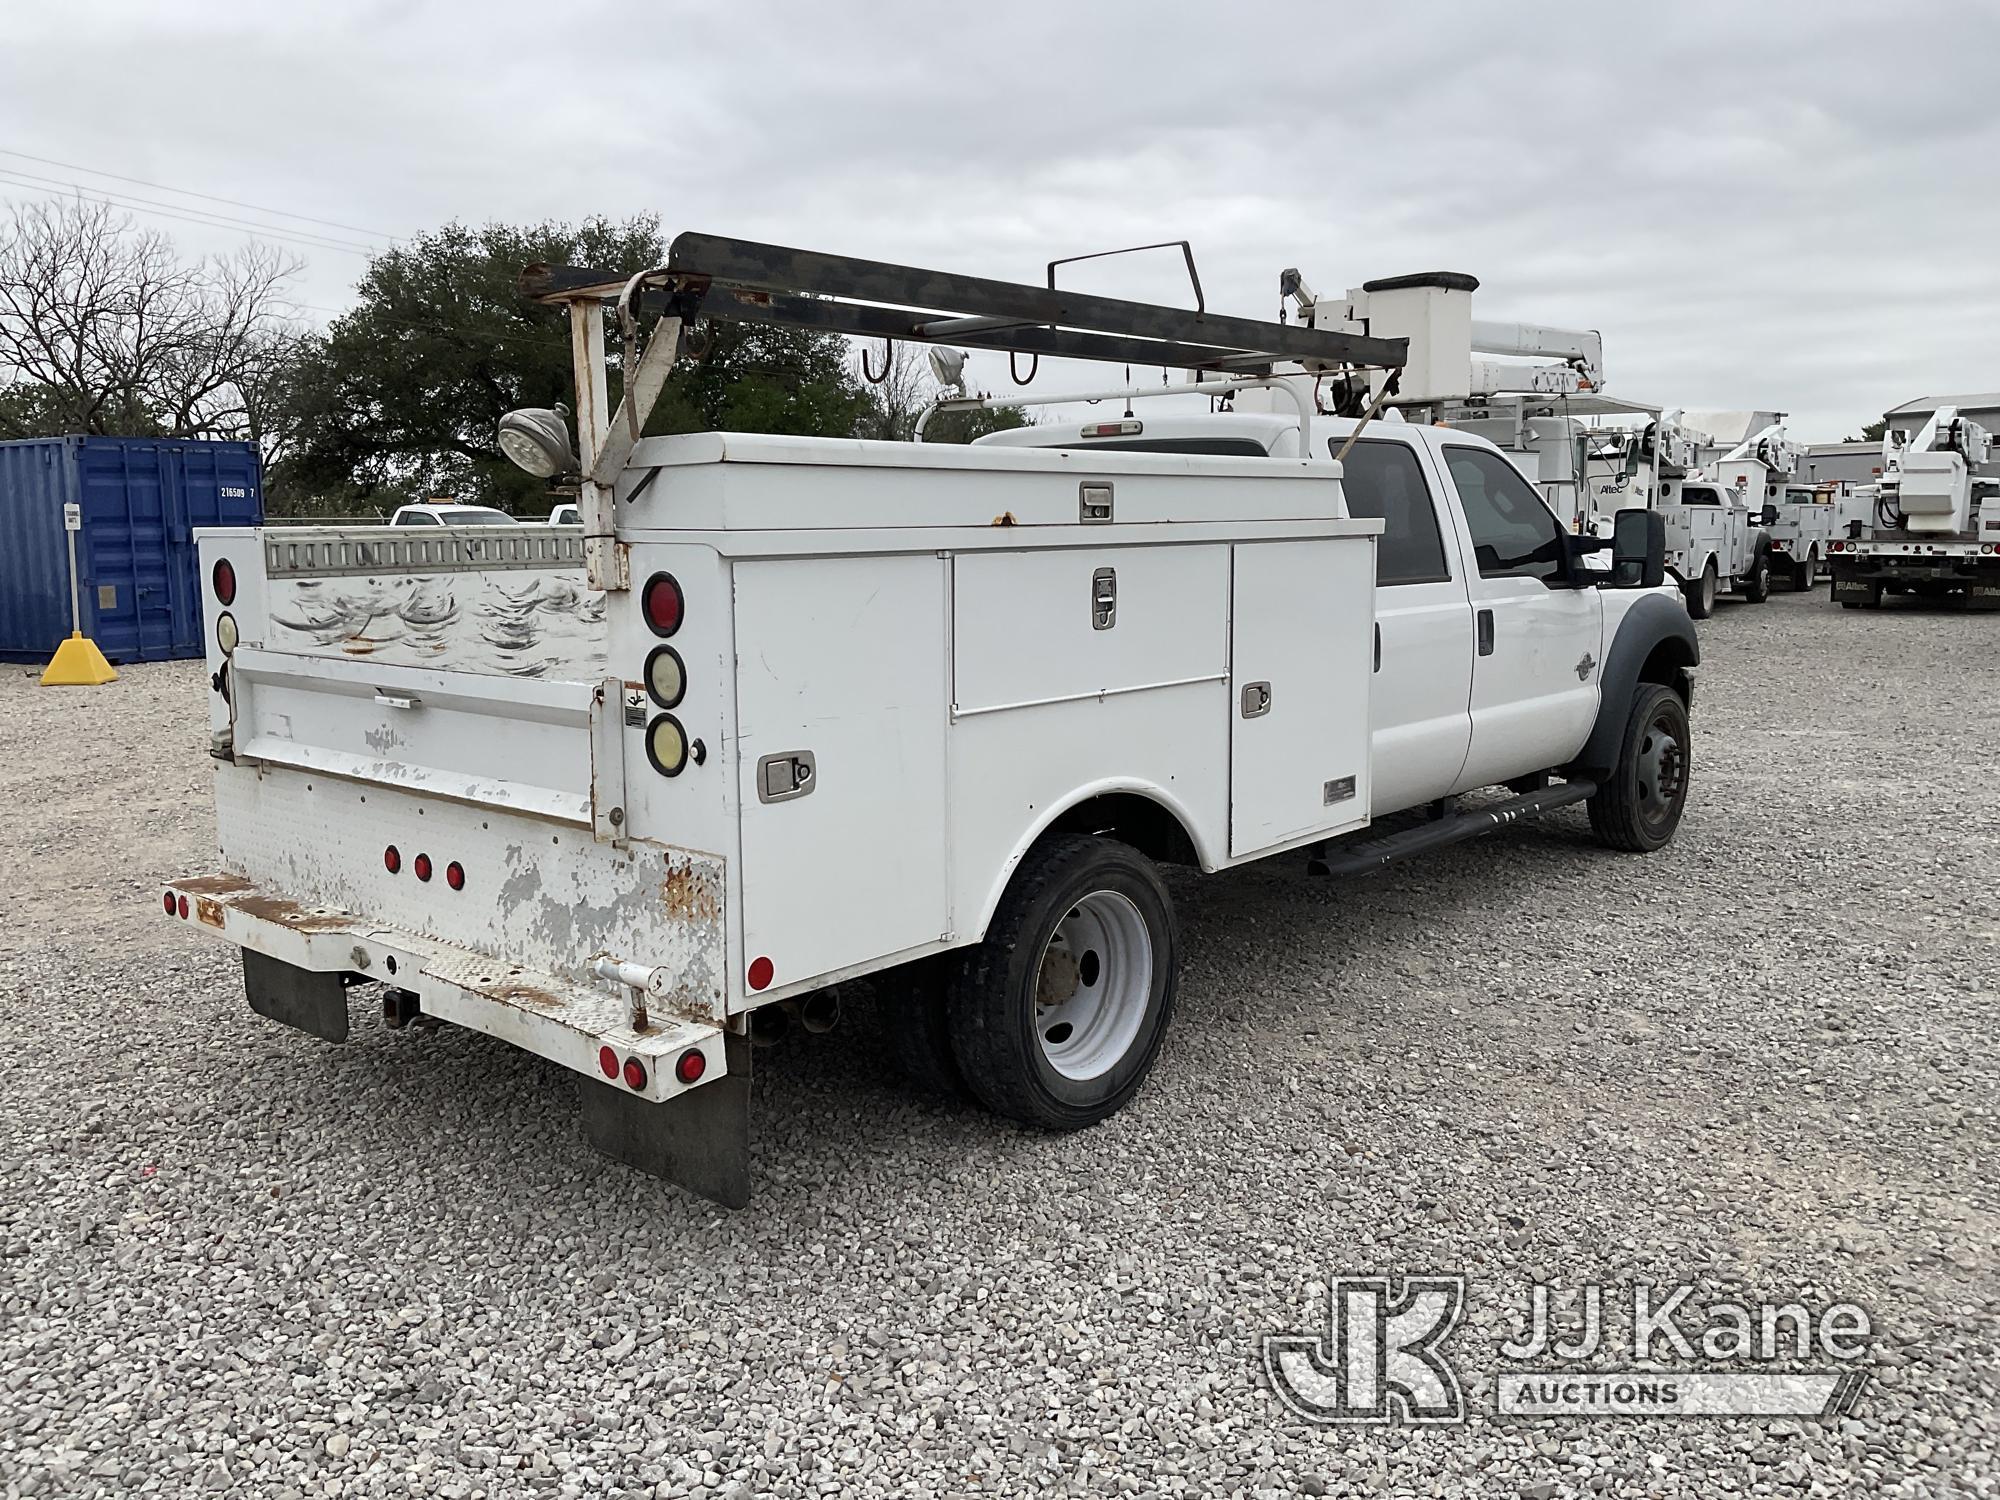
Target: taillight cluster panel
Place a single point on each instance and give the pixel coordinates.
(689, 1068)
(663, 606)
(423, 867)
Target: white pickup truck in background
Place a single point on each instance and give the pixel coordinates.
(790, 711)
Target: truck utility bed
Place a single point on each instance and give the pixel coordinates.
(892, 668)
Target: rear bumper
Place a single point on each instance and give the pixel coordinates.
(1979, 574)
(567, 1023)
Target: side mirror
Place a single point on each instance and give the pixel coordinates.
(1638, 549)
(1768, 516)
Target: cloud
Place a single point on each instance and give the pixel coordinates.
(1776, 205)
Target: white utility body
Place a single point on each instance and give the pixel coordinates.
(793, 710)
(1934, 530)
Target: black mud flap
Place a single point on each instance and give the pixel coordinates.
(315, 1003)
(700, 1141)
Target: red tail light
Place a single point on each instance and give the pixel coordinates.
(392, 860)
(224, 578)
(691, 1065)
(635, 1073)
(181, 906)
(607, 1062)
(168, 902)
(421, 867)
(663, 604)
(454, 875)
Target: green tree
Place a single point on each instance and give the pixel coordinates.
(1872, 433)
(407, 388)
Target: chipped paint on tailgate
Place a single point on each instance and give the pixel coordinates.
(538, 894)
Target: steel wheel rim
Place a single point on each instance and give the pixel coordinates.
(1093, 986)
(1660, 767)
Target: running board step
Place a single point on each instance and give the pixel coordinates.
(1364, 856)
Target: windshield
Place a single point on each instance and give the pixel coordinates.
(474, 516)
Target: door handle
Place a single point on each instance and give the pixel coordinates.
(1485, 619)
(1378, 645)
(781, 777)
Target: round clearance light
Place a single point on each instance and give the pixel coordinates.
(667, 745)
(421, 867)
(691, 1065)
(225, 632)
(168, 902)
(607, 1062)
(454, 875)
(663, 604)
(635, 1073)
(762, 971)
(181, 906)
(666, 677)
(224, 578)
(392, 860)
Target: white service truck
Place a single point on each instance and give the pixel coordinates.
(1798, 523)
(789, 711)
(1935, 530)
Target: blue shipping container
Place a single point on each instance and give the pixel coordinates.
(141, 499)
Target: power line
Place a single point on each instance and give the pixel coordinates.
(301, 238)
(48, 161)
(183, 209)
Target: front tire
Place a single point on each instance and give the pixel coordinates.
(1701, 593)
(1056, 1018)
(1756, 583)
(1639, 806)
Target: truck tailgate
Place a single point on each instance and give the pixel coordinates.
(519, 744)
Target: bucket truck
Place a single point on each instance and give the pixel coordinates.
(1525, 387)
(1716, 540)
(1936, 527)
(1798, 521)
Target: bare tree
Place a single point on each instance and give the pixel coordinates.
(104, 328)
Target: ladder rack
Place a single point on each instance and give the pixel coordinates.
(709, 276)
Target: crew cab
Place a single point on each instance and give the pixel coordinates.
(784, 712)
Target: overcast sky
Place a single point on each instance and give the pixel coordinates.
(1780, 204)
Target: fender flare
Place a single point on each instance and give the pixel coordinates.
(1655, 629)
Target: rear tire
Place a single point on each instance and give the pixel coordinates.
(1056, 1018)
(912, 1002)
(1701, 593)
(1639, 805)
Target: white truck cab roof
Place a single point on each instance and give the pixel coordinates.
(429, 514)
(1217, 434)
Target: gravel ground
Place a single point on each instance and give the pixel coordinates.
(234, 1260)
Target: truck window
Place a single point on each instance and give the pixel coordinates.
(1514, 535)
(1384, 482)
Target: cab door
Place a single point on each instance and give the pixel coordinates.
(1420, 694)
(1538, 640)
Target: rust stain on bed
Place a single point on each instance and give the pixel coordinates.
(291, 914)
(211, 885)
(690, 894)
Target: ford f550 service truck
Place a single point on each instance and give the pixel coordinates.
(785, 711)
